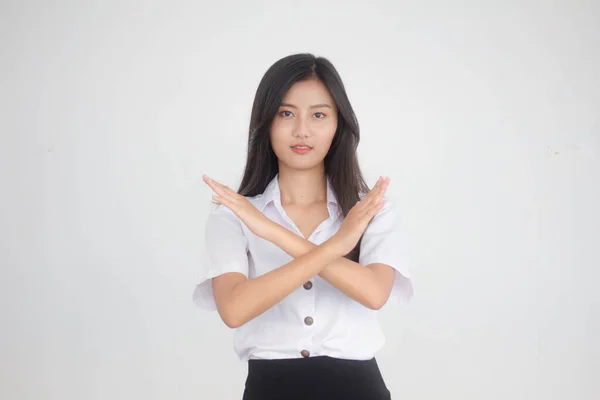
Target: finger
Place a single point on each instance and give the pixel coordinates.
(224, 201)
(217, 187)
(381, 188)
(374, 209)
(368, 200)
(384, 186)
(220, 185)
(227, 191)
(378, 200)
(211, 183)
(377, 184)
(369, 196)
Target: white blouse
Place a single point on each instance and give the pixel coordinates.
(316, 318)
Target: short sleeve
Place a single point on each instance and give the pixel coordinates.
(225, 250)
(384, 242)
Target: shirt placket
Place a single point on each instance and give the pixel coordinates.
(306, 307)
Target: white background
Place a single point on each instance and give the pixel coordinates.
(485, 114)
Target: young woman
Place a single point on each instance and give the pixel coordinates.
(300, 258)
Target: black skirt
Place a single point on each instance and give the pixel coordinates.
(315, 378)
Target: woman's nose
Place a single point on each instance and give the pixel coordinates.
(301, 128)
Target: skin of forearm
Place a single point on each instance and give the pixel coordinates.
(356, 281)
(252, 297)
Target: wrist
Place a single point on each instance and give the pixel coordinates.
(335, 246)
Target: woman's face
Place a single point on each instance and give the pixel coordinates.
(304, 126)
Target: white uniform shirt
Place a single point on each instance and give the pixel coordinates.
(316, 318)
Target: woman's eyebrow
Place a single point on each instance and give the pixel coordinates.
(315, 106)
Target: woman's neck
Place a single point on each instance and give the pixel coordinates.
(302, 187)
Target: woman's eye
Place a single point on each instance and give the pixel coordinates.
(286, 114)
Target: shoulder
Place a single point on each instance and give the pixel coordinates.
(221, 212)
(222, 218)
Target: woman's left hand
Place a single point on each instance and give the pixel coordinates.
(256, 221)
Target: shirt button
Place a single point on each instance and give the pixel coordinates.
(305, 353)
(308, 285)
(308, 320)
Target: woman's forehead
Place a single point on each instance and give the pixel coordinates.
(308, 93)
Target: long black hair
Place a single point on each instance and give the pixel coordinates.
(341, 162)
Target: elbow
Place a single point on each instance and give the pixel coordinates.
(232, 320)
(231, 317)
(231, 310)
(375, 305)
(232, 323)
(376, 302)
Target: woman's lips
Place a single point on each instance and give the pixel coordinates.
(301, 149)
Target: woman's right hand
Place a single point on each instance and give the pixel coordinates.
(359, 217)
(256, 221)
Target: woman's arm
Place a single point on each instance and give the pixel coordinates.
(369, 285)
(239, 299)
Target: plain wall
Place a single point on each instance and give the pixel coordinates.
(486, 115)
